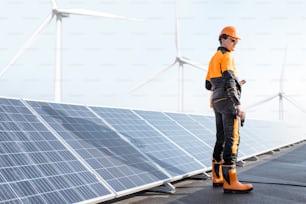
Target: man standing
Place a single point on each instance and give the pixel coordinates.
(222, 80)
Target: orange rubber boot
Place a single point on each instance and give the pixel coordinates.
(231, 183)
(217, 177)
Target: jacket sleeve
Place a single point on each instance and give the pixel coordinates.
(208, 85)
(230, 86)
(230, 82)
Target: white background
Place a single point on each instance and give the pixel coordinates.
(104, 58)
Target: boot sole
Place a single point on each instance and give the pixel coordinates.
(237, 191)
(217, 184)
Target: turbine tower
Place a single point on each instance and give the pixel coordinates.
(180, 60)
(59, 14)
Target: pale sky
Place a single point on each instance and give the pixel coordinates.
(104, 58)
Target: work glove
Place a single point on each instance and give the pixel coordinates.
(241, 114)
(242, 118)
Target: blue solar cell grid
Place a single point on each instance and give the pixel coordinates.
(209, 122)
(35, 167)
(205, 121)
(97, 152)
(114, 159)
(147, 139)
(179, 135)
(203, 132)
(253, 139)
(205, 135)
(267, 135)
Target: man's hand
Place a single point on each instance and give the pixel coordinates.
(240, 114)
(242, 82)
(242, 118)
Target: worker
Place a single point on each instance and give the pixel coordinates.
(222, 81)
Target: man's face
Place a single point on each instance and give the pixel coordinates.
(229, 43)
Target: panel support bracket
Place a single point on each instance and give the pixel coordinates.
(253, 158)
(165, 188)
(202, 176)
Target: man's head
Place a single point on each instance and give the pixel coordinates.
(228, 37)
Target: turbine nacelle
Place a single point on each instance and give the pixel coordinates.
(59, 13)
(281, 95)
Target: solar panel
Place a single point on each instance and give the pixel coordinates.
(61, 153)
(150, 141)
(179, 135)
(268, 135)
(202, 137)
(290, 133)
(258, 136)
(205, 121)
(123, 167)
(35, 167)
(252, 139)
(205, 133)
(209, 123)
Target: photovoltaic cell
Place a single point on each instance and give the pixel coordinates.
(205, 132)
(259, 136)
(268, 135)
(206, 121)
(114, 159)
(252, 141)
(156, 146)
(209, 123)
(205, 135)
(35, 167)
(178, 134)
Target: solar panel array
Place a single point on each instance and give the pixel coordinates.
(180, 135)
(35, 167)
(152, 142)
(121, 165)
(63, 153)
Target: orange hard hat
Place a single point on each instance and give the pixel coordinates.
(230, 31)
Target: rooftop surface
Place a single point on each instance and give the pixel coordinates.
(278, 177)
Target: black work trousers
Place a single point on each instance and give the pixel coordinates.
(227, 132)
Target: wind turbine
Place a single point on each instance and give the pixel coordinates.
(280, 95)
(59, 14)
(180, 60)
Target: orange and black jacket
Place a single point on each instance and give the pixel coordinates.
(222, 78)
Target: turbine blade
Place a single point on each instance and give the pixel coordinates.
(195, 65)
(54, 5)
(86, 12)
(261, 102)
(293, 103)
(141, 84)
(28, 43)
